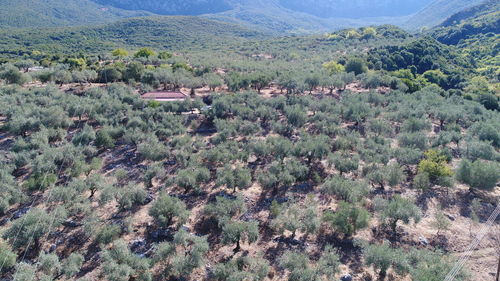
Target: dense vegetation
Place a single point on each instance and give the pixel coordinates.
(366, 151)
(43, 13)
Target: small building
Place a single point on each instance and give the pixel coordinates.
(165, 96)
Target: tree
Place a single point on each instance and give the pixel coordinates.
(356, 65)
(244, 268)
(181, 256)
(259, 81)
(164, 55)
(397, 209)
(345, 189)
(312, 82)
(144, 53)
(489, 101)
(344, 162)
(382, 257)
(435, 165)
(191, 177)
(441, 222)
(26, 231)
(333, 67)
(212, 80)
(301, 268)
(72, 265)
(167, 210)
(120, 264)
(295, 217)
(120, 53)
(234, 178)
(133, 71)
(224, 209)
(240, 231)
(7, 257)
(62, 77)
(348, 219)
(12, 75)
(480, 174)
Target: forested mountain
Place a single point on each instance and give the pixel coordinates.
(438, 11)
(172, 7)
(475, 32)
(273, 16)
(43, 13)
(170, 32)
(357, 8)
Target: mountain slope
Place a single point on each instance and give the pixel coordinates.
(438, 11)
(475, 32)
(47, 13)
(481, 19)
(162, 32)
(356, 9)
(171, 7)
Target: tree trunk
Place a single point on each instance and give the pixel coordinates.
(238, 247)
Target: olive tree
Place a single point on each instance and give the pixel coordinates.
(347, 219)
(397, 209)
(168, 210)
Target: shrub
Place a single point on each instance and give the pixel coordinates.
(191, 178)
(344, 163)
(435, 165)
(422, 181)
(167, 210)
(24, 272)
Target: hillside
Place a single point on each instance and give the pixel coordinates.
(46, 13)
(475, 32)
(438, 11)
(171, 7)
(471, 22)
(356, 9)
(273, 16)
(176, 32)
